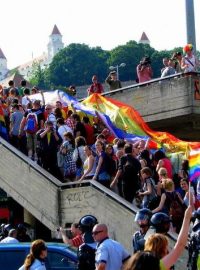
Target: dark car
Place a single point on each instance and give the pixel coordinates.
(60, 256)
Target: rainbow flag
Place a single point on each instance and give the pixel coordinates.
(128, 120)
(194, 164)
(3, 130)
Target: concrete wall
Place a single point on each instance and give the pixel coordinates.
(110, 209)
(78, 202)
(81, 91)
(162, 99)
(31, 189)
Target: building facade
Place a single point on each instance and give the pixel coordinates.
(54, 46)
(3, 65)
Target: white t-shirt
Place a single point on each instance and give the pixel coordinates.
(51, 117)
(191, 62)
(10, 240)
(25, 101)
(62, 129)
(37, 265)
(86, 165)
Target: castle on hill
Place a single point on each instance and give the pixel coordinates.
(54, 46)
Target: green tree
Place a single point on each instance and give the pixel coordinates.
(38, 76)
(76, 64)
(130, 54)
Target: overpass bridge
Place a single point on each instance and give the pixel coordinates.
(53, 203)
(167, 104)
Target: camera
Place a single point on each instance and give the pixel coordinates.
(146, 61)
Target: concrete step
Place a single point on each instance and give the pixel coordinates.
(54, 203)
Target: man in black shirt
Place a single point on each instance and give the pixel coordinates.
(79, 129)
(129, 168)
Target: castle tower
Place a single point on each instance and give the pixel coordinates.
(144, 39)
(3, 65)
(55, 43)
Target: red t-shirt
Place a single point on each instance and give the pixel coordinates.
(89, 134)
(95, 88)
(77, 240)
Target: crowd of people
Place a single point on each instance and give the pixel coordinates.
(75, 147)
(177, 63)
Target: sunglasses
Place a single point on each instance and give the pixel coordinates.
(96, 232)
(143, 225)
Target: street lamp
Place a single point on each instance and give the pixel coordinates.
(117, 68)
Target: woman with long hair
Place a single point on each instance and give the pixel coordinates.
(101, 174)
(66, 149)
(167, 198)
(184, 183)
(158, 243)
(162, 161)
(35, 259)
(89, 165)
(79, 156)
(142, 260)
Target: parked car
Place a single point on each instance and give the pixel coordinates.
(60, 256)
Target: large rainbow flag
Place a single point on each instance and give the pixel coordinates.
(125, 122)
(128, 120)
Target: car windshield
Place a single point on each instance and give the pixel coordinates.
(58, 261)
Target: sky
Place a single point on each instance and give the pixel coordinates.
(26, 25)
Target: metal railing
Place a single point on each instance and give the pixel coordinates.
(62, 186)
(137, 85)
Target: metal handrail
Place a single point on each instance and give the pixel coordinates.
(62, 186)
(137, 85)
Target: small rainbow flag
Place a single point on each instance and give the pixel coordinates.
(194, 164)
(3, 130)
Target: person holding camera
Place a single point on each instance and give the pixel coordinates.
(76, 233)
(113, 81)
(144, 70)
(49, 140)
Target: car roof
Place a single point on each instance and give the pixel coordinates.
(50, 245)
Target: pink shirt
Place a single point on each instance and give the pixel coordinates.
(145, 74)
(168, 166)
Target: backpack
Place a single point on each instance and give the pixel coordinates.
(86, 257)
(31, 123)
(176, 209)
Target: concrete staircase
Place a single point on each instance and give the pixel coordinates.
(55, 204)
